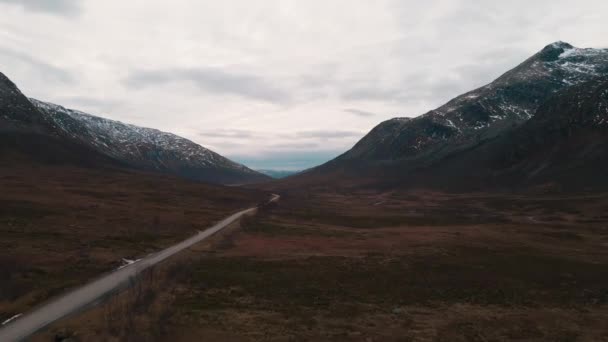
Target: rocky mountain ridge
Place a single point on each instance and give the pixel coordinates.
(130, 145)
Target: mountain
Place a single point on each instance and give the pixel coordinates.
(482, 113)
(429, 150)
(54, 133)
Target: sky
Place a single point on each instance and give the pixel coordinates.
(279, 84)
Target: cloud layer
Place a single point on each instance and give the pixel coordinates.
(273, 80)
(60, 7)
(211, 81)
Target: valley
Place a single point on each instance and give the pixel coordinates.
(482, 220)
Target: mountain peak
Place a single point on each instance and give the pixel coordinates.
(552, 51)
(561, 45)
(7, 86)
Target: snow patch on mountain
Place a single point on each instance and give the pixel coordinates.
(135, 144)
(573, 66)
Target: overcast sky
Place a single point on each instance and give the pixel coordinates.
(276, 84)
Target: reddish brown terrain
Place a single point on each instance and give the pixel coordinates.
(62, 225)
(416, 266)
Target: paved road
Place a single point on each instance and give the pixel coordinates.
(80, 298)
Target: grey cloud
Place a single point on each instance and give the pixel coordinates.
(275, 147)
(213, 80)
(245, 134)
(228, 133)
(317, 77)
(296, 145)
(59, 7)
(96, 104)
(370, 93)
(411, 86)
(438, 86)
(45, 70)
(223, 144)
(328, 134)
(359, 112)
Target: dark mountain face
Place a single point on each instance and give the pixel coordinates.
(147, 148)
(584, 105)
(483, 113)
(26, 135)
(565, 142)
(16, 111)
(48, 132)
(564, 146)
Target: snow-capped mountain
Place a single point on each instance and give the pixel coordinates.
(146, 148)
(484, 112)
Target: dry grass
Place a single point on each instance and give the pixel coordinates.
(392, 267)
(407, 267)
(60, 226)
(146, 310)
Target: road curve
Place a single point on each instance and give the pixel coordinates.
(80, 298)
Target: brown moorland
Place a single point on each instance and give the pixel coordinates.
(61, 225)
(415, 266)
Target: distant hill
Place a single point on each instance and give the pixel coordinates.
(278, 174)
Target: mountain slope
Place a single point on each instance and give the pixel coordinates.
(27, 135)
(484, 112)
(565, 142)
(564, 146)
(456, 145)
(147, 148)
